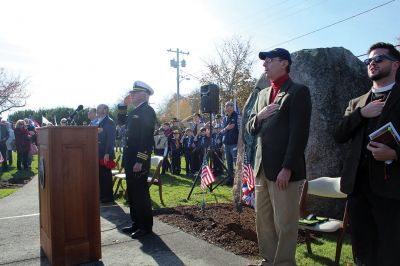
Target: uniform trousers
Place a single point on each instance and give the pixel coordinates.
(277, 217)
(139, 199)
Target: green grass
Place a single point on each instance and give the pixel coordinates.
(4, 192)
(176, 190)
(13, 172)
(324, 250)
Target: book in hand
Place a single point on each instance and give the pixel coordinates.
(387, 135)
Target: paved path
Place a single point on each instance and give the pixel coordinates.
(20, 244)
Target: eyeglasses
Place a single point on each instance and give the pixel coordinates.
(270, 60)
(378, 59)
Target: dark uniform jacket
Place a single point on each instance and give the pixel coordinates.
(187, 144)
(352, 128)
(139, 136)
(107, 138)
(3, 133)
(282, 137)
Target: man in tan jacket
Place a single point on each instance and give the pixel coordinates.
(280, 120)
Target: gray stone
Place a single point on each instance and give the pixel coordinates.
(334, 76)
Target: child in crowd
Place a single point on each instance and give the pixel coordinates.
(216, 145)
(160, 142)
(201, 146)
(218, 121)
(188, 146)
(168, 133)
(176, 151)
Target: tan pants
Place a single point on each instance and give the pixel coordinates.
(277, 216)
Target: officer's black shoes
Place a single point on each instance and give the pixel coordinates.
(141, 233)
(129, 229)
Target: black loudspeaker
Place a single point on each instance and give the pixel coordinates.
(209, 98)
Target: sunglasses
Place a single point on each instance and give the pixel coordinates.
(378, 59)
(270, 60)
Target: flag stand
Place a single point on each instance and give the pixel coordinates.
(209, 152)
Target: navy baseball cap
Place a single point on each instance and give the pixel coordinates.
(278, 52)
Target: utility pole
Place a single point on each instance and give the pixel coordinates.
(175, 63)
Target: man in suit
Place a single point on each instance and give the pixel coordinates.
(137, 159)
(280, 120)
(371, 170)
(106, 138)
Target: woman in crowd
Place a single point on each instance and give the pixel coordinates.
(22, 143)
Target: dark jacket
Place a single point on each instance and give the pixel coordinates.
(231, 136)
(187, 144)
(352, 128)
(282, 137)
(106, 137)
(3, 133)
(139, 136)
(22, 140)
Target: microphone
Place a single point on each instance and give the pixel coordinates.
(71, 116)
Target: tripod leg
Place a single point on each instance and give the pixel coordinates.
(194, 184)
(224, 167)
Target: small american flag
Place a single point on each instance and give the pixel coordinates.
(248, 173)
(207, 176)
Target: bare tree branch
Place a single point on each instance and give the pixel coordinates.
(13, 92)
(231, 71)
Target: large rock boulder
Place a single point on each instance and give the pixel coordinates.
(334, 76)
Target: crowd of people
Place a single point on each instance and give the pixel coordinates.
(20, 138)
(192, 139)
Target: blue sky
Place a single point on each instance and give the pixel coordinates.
(90, 52)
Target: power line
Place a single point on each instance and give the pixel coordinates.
(262, 11)
(330, 25)
(275, 15)
(193, 76)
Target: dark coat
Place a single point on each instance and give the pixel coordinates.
(3, 133)
(139, 136)
(22, 140)
(282, 137)
(106, 138)
(352, 128)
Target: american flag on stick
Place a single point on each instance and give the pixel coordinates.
(207, 176)
(248, 183)
(248, 173)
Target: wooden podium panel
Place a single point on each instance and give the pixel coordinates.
(69, 194)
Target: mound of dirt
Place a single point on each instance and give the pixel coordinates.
(219, 224)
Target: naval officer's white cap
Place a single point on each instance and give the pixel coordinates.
(141, 86)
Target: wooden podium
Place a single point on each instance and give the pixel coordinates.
(69, 194)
